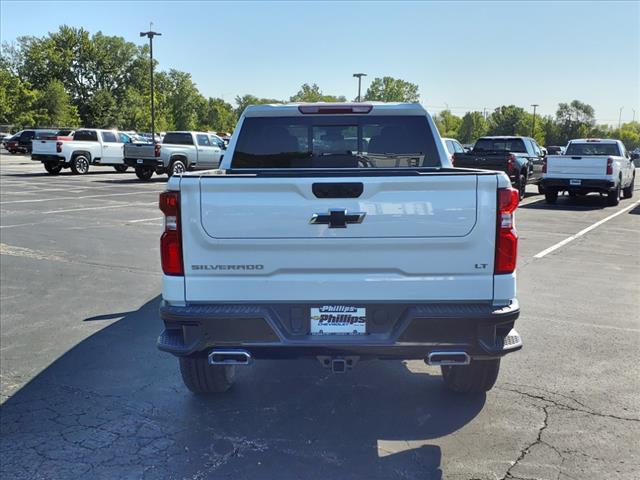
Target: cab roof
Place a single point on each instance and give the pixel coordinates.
(296, 109)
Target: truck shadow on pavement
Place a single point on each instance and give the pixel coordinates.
(115, 407)
(565, 202)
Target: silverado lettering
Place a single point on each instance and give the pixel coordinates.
(227, 267)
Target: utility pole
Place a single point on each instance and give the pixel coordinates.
(533, 127)
(151, 34)
(634, 114)
(359, 75)
(620, 117)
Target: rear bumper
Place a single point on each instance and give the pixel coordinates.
(144, 163)
(591, 185)
(40, 157)
(394, 330)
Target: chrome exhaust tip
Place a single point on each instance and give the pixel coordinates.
(448, 358)
(229, 357)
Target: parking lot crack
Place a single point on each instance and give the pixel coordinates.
(564, 406)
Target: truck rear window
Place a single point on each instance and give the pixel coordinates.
(515, 145)
(86, 136)
(593, 149)
(335, 141)
(173, 138)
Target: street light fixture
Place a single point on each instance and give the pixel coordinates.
(151, 34)
(533, 127)
(359, 75)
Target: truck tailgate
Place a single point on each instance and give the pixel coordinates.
(139, 150)
(44, 147)
(422, 237)
(565, 166)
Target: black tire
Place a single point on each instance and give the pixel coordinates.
(144, 173)
(522, 185)
(572, 193)
(540, 189)
(613, 196)
(478, 376)
(80, 164)
(120, 168)
(551, 196)
(53, 168)
(200, 377)
(176, 167)
(13, 152)
(628, 192)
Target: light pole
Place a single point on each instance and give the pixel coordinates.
(151, 34)
(620, 117)
(533, 127)
(359, 75)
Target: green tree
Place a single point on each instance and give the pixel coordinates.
(219, 115)
(472, 127)
(389, 89)
(509, 120)
(17, 101)
(447, 123)
(312, 93)
(629, 133)
(244, 101)
(55, 108)
(183, 99)
(101, 111)
(575, 120)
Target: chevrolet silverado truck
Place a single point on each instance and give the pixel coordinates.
(89, 146)
(179, 152)
(307, 244)
(519, 157)
(590, 165)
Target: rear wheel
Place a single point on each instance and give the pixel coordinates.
(53, 168)
(540, 189)
(144, 173)
(628, 192)
(120, 168)
(80, 164)
(13, 152)
(177, 167)
(522, 185)
(613, 196)
(551, 196)
(478, 376)
(200, 377)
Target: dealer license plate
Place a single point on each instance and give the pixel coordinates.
(338, 320)
(573, 181)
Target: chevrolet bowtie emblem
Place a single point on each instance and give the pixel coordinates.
(337, 218)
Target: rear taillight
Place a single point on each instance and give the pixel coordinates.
(58, 147)
(544, 166)
(506, 235)
(171, 240)
(511, 159)
(156, 150)
(609, 166)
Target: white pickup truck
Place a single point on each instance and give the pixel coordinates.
(89, 146)
(590, 165)
(178, 153)
(341, 232)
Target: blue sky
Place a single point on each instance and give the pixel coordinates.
(467, 55)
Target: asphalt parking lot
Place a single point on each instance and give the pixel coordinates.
(85, 393)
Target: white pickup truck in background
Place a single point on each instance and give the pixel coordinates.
(178, 153)
(340, 232)
(590, 165)
(89, 146)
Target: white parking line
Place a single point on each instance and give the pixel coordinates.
(102, 208)
(145, 220)
(74, 198)
(582, 232)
